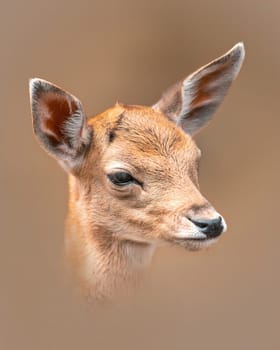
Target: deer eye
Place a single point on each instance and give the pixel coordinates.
(121, 178)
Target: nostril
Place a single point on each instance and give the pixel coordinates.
(199, 224)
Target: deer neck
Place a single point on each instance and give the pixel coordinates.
(103, 262)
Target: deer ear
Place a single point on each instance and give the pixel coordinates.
(59, 123)
(192, 102)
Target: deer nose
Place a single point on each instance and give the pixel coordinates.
(211, 228)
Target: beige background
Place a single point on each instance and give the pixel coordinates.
(103, 51)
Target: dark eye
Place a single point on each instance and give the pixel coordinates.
(121, 178)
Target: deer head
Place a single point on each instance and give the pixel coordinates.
(134, 169)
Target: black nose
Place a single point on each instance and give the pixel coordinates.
(211, 228)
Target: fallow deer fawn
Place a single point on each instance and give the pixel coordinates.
(133, 178)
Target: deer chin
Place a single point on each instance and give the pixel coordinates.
(193, 244)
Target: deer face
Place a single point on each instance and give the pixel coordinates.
(141, 175)
(135, 168)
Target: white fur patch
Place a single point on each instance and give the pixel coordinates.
(193, 232)
(224, 225)
(115, 165)
(190, 234)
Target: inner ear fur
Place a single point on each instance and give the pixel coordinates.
(191, 102)
(59, 122)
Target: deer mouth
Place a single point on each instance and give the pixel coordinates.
(194, 243)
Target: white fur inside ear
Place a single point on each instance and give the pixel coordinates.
(234, 57)
(37, 84)
(238, 51)
(192, 102)
(66, 134)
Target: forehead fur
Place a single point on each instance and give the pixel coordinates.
(142, 127)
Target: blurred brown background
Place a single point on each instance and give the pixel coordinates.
(103, 51)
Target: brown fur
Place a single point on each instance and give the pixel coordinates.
(112, 230)
(119, 230)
